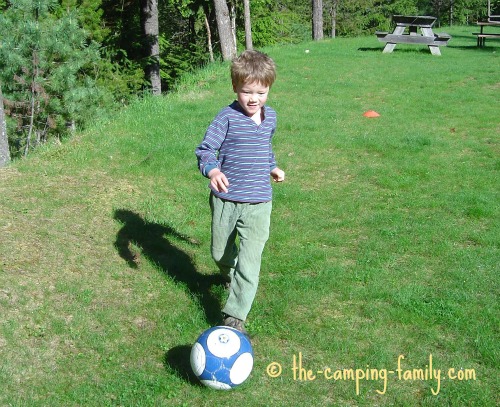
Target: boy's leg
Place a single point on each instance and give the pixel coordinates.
(223, 246)
(253, 230)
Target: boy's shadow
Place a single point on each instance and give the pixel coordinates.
(153, 241)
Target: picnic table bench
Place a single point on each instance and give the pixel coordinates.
(413, 24)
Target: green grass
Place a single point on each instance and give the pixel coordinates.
(384, 240)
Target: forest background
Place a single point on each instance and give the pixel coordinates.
(64, 63)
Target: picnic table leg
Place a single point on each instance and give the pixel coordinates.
(427, 32)
(389, 47)
(434, 50)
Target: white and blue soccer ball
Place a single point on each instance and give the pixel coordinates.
(222, 358)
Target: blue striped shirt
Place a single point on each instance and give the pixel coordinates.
(242, 150)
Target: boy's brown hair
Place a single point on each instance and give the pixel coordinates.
(253, 66)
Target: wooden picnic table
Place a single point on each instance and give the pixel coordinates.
(418, 31)
(481, 36)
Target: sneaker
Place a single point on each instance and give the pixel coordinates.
(235, 323)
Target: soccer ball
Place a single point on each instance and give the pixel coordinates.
(222, 358)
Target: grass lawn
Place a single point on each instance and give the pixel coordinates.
(383, 260)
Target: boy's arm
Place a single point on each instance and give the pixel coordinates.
(272, 158)
(277, 174)
(207, 160)
(207, 151)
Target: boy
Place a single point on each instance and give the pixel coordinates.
(236, 155)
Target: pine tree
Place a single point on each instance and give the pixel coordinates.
(45, 66)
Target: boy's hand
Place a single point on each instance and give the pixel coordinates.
(278, 175)
(218, 180)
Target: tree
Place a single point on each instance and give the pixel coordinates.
(248, 25)
(209, 37)
(45, 69)
(333, 6)
(317, 19)
(232, 17)
(358, 17)
(437, 8)
(278, 22)
(4, 142)
(149, 20)
(226, 36)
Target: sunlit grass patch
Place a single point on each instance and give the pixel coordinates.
(384, 239)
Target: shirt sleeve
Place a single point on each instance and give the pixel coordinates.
(272, 158)
(208, 151)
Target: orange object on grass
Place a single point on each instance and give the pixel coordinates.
(371, 113)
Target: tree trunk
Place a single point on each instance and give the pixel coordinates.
(149, 20)
(232, 15)
(209, 39)
(451, 13)
(333, 17)
(228, 47)
(248, 25)
(4, 141)
(317, 17)
(33, 102)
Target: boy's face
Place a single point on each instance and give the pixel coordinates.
(251, 97)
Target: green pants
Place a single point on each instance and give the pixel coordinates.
(250, 224)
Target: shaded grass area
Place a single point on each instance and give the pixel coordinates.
(384, 240)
